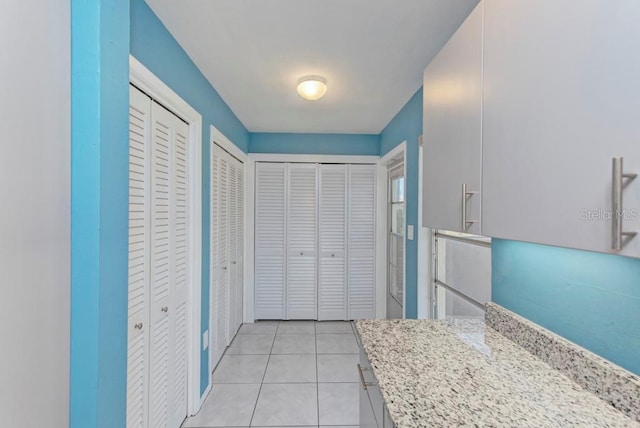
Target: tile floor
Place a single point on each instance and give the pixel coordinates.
(285, 374)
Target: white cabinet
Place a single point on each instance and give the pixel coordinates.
(314, 241)
(158, 265)
(453, 131)
(227, 226)
(561, 99)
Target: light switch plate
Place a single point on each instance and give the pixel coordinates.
(410, 232)
(205, 340)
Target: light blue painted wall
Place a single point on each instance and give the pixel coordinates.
(407, 126)
(155, 47)
(591, 299)
(99, 217)
(323, 144)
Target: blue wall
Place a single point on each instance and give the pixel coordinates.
(591, 299)
(99, 212)
(155, 47)
(407, 126)
(323, 144)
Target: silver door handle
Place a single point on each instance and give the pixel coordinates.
(617, 210)
(466, 194)
(138, 326)
(165, 309)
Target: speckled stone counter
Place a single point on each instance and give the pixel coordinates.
(463, 373)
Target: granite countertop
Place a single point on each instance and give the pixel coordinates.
(435, 373)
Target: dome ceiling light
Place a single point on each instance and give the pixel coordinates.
(312, 87)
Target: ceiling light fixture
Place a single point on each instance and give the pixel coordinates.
(312, 87)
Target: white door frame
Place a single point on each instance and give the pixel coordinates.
(250, 173)
(146, 81)
(400, 151)
(217, 137)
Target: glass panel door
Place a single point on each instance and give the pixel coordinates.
(396, 213)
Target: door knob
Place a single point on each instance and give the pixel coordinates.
(138, 326)
(165, 309)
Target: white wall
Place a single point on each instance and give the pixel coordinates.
(34, 213)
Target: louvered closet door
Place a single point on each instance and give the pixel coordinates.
(302, 241)
(238, 262)
(270, 241)
(232, 297)
(139, 246)
(361, 241)
(177, 311)
(332, 230)
(219, 245)
(162, 131)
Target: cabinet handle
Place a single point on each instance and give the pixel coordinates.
(233, 263)
(617, 211)
(301, 253)
(466, 194)
(224, 268)
(138, 326)
(165, 309)
(333, 255)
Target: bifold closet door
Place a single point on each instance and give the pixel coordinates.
(270, 238)
(178, 291)
(302, 241)
(332, 232)
(361, 259)
(235, 247)
(167, 378)
(139, 246)
(219, 251)
(158, 265)
(238, 262)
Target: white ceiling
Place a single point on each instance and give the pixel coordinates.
(372, 52)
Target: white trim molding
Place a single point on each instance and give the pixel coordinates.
(398, 152)
(149, 83)
(250, 170)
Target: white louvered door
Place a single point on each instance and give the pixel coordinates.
(139, 247)
(361, 252)
(158, 265)
(332, 230)
(162, 130)
(177, 311)
(302, 231)
(232, 297)
(227, 224)
(238, 263)
(270, 238)
(221, 269)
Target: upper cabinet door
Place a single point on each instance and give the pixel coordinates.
(453, 131)
(561, 99)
